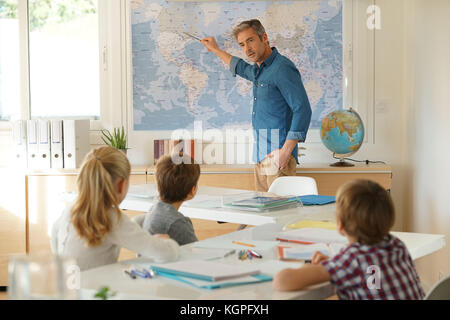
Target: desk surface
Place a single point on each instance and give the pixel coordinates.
(112, 275)
(197, 208)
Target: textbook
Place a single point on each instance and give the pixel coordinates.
(311, 236)
(260, 201)
(202, 284)
(205, 270)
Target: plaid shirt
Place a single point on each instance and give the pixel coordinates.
(381, 271)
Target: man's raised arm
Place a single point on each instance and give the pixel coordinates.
(211, 44)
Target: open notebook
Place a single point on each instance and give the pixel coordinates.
(311, 236)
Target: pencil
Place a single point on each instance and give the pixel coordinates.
(243, 244)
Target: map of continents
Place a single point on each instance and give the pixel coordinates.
(176, 81)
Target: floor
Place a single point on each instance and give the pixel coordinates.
(3, 295)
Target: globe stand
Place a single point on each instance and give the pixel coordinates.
(342, 162)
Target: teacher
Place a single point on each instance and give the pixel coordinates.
(281, 110)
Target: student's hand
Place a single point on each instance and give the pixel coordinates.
(319, 257)
(162, 236)
(210, 43)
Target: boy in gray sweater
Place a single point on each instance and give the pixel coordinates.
(176, 183)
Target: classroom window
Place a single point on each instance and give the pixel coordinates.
(9, 59)
(64, 58)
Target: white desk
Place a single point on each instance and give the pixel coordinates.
(194, 209)
(112, 275)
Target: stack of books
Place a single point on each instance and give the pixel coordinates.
(167, 147)
(210, 275)
(260, 201)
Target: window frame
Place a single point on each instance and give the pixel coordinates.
(110, 42)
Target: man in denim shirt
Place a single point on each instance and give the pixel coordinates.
(281, 110)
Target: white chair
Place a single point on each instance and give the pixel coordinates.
(296, 186)
(440, 291)
(139, 219)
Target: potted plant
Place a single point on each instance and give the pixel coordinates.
(117, 139)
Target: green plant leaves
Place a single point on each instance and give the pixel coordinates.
(117, 139)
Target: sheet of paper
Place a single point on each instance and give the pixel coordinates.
(261, 245)
(305, 252)
(204, 201)
(312, 224)
(192, 253)
(314, 235)
(146, 191)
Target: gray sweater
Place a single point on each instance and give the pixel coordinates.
(164, 218)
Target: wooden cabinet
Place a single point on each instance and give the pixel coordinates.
(12, 219)
(328, 179)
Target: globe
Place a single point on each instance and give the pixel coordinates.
(342, 132)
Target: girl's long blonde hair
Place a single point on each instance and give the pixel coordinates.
(90, 214)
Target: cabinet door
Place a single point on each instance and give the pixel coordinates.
(329, 183)
(244, 181)
(12, 219)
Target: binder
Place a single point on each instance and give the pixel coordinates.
(317, 200)
(44, 155)
(166, 147)
(19, 130)
(189, 148)
(32, 144)
(155, 151)
(161, 148)
(56, 148)
(75, 142)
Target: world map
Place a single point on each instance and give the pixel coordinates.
(176, 81)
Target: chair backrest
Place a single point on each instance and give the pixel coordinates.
(440, 291)
(139, 219)
(296, 186)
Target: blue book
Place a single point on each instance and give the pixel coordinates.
(257, 278)
(205, 270)
(311, 200)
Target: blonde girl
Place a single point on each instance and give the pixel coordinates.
(94, 229)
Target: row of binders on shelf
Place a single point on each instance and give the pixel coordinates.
(45, 144)
(167, 147)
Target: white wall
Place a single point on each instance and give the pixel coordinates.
(428, 82)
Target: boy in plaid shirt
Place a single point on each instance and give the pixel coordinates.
(375, 264)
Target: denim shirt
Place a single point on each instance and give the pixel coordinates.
(281, 109)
